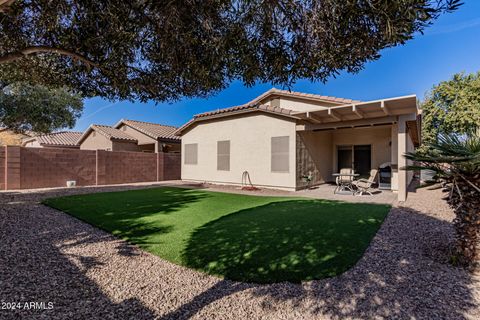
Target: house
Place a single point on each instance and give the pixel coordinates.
(151, 136)
(131, 135)
(10, 138)
(280, 137)
(100, 137)
(63, 139)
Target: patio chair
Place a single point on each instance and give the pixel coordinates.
(365, 185)
(344, 182)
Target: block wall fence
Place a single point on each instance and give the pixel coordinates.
(29, 168)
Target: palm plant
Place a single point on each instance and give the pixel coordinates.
(456, 161)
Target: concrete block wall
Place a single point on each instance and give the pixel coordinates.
(12, 167)
(169, 165)
(43, 168)
(125, 167)
(28, 168)
(2, 168)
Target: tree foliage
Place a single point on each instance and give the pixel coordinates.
(163, 50)
(456, 162)
(452, 106)
(37, 108)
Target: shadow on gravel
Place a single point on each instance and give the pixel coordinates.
(33, 269)
(404, 274)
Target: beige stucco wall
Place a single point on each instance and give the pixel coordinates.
(141, 137)
(96, 141)
(297, 104)
(145, 142)
(314, 157)
(378, 137)
(33, 144)
(250, 150)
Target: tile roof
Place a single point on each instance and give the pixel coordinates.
(275, 91)
(261, 107)
(112, 133)
(153, 130)
(255, 105)
(255, 102)
(64, 138)
(237, 109)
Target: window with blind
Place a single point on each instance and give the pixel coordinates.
(223, 155)
(191, 153)
(280, 154)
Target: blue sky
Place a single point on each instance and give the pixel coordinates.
(451, 45)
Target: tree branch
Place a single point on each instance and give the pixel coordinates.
(45, 49)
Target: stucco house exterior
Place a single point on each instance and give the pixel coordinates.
(281, 136)
(63, 139)
(101, 137)
(130, 135)
(151, 136)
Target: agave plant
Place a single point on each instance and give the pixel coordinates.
(456, 161)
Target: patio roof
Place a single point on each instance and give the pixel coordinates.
(364, 114)
(391, 107)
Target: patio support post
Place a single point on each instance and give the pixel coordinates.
(404, 145)
(394, 157)
(402, 148)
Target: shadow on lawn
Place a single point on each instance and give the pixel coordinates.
(291, 240)
(131, 213)
(404, 274)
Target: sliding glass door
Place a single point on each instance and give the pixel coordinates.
(358, 157)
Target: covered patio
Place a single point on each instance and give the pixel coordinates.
(361, 136)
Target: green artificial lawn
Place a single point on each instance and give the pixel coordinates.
(239, 237)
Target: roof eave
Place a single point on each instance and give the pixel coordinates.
(179, 131)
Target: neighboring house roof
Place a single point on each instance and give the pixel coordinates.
(153, 130)
(301, 95)
(247, 108)
(108, 132)
(63, 138)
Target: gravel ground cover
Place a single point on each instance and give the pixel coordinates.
(48, 256)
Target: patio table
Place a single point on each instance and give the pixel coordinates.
(345, 184)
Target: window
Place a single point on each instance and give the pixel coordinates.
(191, 153)
(223, 155)
(280, 154)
